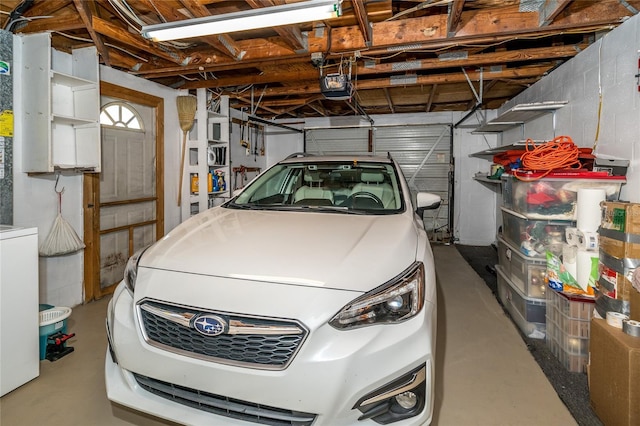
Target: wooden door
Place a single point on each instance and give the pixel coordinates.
(124, 203)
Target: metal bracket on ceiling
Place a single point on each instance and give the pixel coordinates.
(254, 107)
(477, 96)
(473, 89)
(629, 7)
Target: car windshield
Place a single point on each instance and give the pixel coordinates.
(332, 186)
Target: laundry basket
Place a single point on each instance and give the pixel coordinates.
(53, 319)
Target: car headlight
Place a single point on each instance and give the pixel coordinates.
(395, 301)
(131, 270)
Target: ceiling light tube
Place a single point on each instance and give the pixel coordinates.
(273, 16)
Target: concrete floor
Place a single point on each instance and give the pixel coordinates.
(485, 374)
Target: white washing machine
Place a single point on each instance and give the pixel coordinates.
(19, 318)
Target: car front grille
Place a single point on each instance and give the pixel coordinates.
(224, 406)
(265, 350)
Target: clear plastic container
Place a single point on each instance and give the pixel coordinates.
(534, 238)
(527, 313)
(528, 274)
(555, 195)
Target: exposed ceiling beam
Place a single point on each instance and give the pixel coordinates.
(391, 36)
(64, 21)
(222, 42)
(542, 53)
(115, 32)
(249, 103)
(312, 87)
(121, 60)
(319, 108)
(520, 55)
(455, 15)
(360, 10)
(291, 34)
(86, 10)
(550, 9)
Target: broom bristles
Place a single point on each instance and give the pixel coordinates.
(187, 106)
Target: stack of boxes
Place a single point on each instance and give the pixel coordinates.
(614, 354)
(619, 238)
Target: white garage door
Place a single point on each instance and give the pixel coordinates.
(424, 153)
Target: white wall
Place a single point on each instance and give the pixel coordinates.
(608, 66)
(36, 203)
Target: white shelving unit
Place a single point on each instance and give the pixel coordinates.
(519, 115)
(208, 157)
(61, 97)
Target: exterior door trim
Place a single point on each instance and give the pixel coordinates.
(91, 188)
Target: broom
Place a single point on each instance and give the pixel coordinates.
(186, 113)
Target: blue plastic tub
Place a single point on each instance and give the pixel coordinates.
(52, 320)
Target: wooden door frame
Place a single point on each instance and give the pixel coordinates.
(91, 188)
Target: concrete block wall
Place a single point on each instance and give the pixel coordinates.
(607, 67)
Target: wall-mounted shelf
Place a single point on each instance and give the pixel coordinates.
(488, 154)
(518, 115)
(61, 96)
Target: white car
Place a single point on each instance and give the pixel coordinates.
(307, 299)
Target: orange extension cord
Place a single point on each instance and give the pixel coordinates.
(559, 153)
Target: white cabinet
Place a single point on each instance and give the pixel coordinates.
(207, 171)
(19, 320)
(61, 100)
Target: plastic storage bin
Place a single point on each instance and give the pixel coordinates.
(52, 320)
(555, 195)
(528, 274)
(527, 313)
(568, 326)
(532, 237)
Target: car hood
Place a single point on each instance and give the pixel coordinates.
(333, 250)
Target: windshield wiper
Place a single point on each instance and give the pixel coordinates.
(248, 206)
(330, 209)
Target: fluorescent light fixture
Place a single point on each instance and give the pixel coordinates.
(273, 16)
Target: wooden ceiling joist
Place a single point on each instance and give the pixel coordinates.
(455, 14)
(360, 10)
(222, 42)
(107, 29)
(87, 9)
(551, 9)
(291, 34)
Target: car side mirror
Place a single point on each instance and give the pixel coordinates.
(427, 201)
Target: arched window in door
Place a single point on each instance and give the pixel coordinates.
(121, 115)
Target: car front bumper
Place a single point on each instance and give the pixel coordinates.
(332, 371)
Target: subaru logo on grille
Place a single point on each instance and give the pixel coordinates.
(209, 325)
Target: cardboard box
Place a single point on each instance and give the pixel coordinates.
(620, 216)
(614, 374)
(634, 304)
(619, 249)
